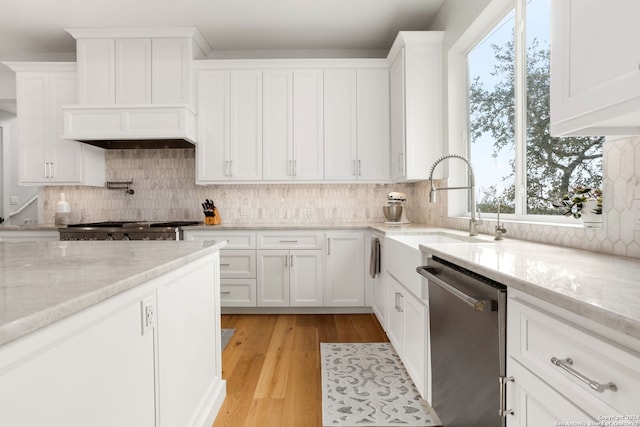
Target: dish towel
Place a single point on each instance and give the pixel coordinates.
(374, 261)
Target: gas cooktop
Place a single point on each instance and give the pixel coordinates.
(124, 230)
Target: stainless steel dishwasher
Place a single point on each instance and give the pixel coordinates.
(467, 314)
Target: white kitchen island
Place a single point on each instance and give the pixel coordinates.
(110, 334)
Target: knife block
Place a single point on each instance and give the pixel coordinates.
(214, 219)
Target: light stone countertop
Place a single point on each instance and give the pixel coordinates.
(42, 282)
(29, 227)
(604, 288)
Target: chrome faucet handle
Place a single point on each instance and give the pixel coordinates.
(499, 230)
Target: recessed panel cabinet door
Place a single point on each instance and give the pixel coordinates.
(277, 126)
(33, 91)
(307, 278)
(308, 137)
(345, 269)
(273, 278)
(373, 125)
(245, 143)
(213, 126)
(340, 115)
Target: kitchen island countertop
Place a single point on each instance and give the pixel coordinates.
(42, 282)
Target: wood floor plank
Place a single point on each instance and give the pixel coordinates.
(275, 371)
(272, 366)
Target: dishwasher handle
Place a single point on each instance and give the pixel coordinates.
(476, 304)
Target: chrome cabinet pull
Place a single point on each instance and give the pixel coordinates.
(225, 292)
(288, 241)
(503, 396)
(45, 170)
(328, 245)
(401, 304)
(359, 167)
(291, 262)
(51, 170)
(224, 264)
(286, 261)
(295, 167)
(565, 364)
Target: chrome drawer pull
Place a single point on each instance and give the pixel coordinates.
(224, 264)
(566, 365)
(288, 241)
(225, 292)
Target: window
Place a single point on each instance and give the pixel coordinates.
(516, 161)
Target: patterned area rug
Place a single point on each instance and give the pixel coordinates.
(367, 385)
(225, 336)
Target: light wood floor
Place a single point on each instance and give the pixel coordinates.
(272, 365)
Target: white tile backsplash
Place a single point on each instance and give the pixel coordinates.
(165, 189)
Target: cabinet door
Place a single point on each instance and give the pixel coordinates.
(307, 278)
(340, 114)
(65, 155)
(133, 71)
(277, 126)
(395, 317)
(33, 113)
(96, 71)
(373, 125)
(171, 70)
(345, 269)
(308, 137)
(535, 404)
(213, 126)
(416, 352)
(273, 278)
(397, 113)
(245, 143)
(380, 299)
(595, 84)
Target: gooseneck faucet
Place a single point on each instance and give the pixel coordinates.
(473, 222)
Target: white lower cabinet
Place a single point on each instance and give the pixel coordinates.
(98, 367)
(237, 265)
(407, 329)
(566, 368)
(290, 278)
(379, 296)
(345, 268)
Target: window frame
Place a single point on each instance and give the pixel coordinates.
(458, 87)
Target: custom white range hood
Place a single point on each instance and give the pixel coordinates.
(135, 87)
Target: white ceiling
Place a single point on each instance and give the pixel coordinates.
(34, 29)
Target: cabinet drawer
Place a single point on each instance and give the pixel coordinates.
(238, 264)
(291, 240)
(238, 293)
(535, 337)
(235, 239)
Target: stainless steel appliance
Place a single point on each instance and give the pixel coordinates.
(394, 211)
(124, 230)
(467, 314)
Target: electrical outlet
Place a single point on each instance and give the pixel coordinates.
(148, 312)
(309, 210)
(14, 200)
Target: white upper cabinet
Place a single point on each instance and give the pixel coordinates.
(292, 125)
(415, 104)
(373, 124)
(229, 126)
(595, 57)
(136, 66)
(46, 158)
(308, 132)
(340, 125)
(356, 125)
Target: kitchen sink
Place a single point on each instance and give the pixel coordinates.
(414, 240)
